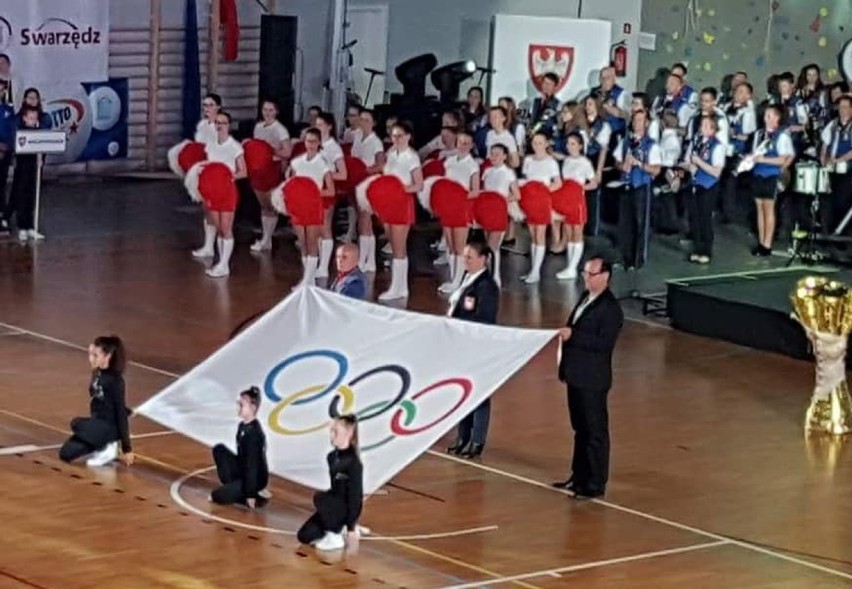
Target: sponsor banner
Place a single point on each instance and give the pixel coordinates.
(29, 142)
(92, 115)
(409, 377)
(524, 48)
(55, 40)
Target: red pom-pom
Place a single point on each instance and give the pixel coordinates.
(303, 200)
(263, 171)
(486, 163)
(450, 203)
(356, 172)
(347, 149)
(535, 203)
(570, 202)
(217, 188)
(389, 200)
(191, 154)
(491, 211)
(433, 168)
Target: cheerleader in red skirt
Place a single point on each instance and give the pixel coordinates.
(542, 177)
(499, 190)
(570, 205)
(305, 211)
(368, 148)
(332, 153)
(267, 175)
(448, 199)
(391, 196)
(214, 181)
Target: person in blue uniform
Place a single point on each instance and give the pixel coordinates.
(707, 161)
(477, 299)
(335, 522)
(244, 475)
(837, 155)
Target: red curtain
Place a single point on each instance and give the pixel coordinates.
(231, 29)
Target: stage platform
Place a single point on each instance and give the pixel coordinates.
(747, 308)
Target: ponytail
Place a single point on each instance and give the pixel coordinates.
(114, 347)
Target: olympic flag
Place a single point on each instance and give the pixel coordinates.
(409, 377)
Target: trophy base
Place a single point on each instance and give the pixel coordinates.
(831, 415)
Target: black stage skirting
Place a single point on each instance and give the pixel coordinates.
(748, 309)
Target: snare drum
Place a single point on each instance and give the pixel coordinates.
(824, 180)
(807, 178)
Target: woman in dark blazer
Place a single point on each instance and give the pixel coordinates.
(477, 300)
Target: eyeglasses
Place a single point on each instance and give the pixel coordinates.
(397, 135)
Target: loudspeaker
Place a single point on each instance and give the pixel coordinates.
(278, 63)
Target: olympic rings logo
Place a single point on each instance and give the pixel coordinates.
(343, 396)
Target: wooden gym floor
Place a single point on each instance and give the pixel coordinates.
(713, 483)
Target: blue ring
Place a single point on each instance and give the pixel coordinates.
(342, 367)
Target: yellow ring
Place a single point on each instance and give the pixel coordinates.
(345, 392)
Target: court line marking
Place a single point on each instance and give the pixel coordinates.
(175, 487)
(27, 448)
(402, 543)
(519, 478)
(594, 564)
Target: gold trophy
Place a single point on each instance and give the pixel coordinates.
(824, 309)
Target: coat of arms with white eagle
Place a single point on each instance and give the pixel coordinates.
(554, 59)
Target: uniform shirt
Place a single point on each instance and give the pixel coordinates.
(331, 153)
(107, 404)
(504, 138)
(499, 179)
(602, 135)
(367, 148)
(205, 132)
(455, 297)
(723, 132)
(461, 170)
(225, 153)
(315, 168)
(275, 134)
(540, 170)
(833, 133)
(742, 120)
(654, 157)
(401, 164)
(671, 148)
(578, 169)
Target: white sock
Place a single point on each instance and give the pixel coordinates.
(367, 245)
(452, 266)
(537, 259)
(326, 247)
(268, 223)
(309, 270)
(226, 248)
(577, 255)
(458, 272)
(496, 270)
(210, 234)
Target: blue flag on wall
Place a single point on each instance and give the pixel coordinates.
(191, 73)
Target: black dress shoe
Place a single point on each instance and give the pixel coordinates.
(585, 494)
(472, 451)
(457, 447)
(567, 485)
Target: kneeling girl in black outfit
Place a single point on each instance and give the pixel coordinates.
(339, 508)
(244, 475)
(100, 434)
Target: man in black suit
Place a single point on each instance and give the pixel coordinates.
(588, 340)
(477, 300)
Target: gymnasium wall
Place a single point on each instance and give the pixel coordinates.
(760, 37)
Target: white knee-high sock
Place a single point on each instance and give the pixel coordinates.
(268, 223)
(309, 269)
(367, 245)
(577, 254)
(537, 259)
(496, 270)
(326, 249)
(226, 248)
(210, 234)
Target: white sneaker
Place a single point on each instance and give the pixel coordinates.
(218, 271)
(203, 253)
(567, 274)
(23, 235)
(105, 456)
(330, 542)
(387, 249)
(441, 260)
(260, 246)
(447, 288)
(35, 235)
(265, 494)
(363, 531)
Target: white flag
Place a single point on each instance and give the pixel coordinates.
(409, 377)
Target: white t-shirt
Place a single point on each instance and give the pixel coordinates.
(655, 157)
(670, 147)
(579, 169)
(717, 157)
(275, 134)
(351, 135)
(461, 170)
(504, 138)
(367, 148)
(722, 133)
(783, 143)
(315, 169)
(498, 180)
(541, 170)
(437, 144)
(402, 164)
(331, 152)
(225, 153)
(205, 131)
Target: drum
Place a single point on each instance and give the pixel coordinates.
(841, 167)
(807, 178)
(824, 180)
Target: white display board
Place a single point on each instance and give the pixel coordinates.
(525, 47)
(37, 141)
